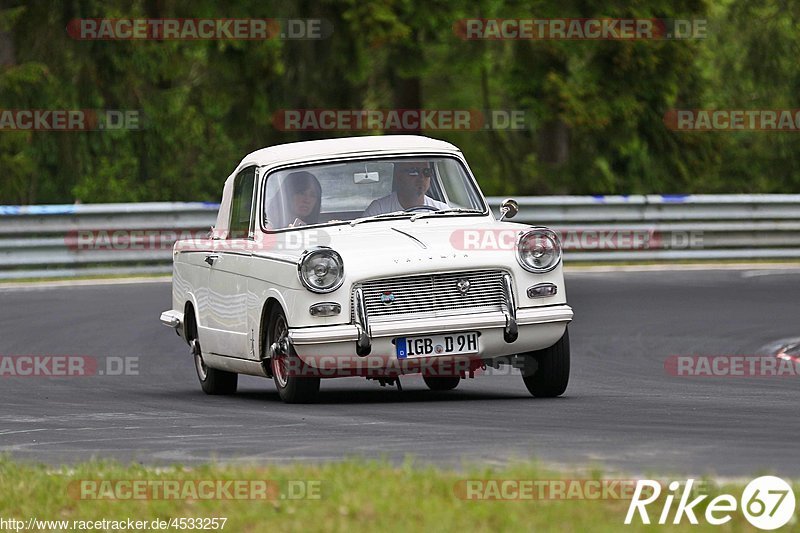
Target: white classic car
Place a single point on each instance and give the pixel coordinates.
(368, 256)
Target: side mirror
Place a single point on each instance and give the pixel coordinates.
(508, 209)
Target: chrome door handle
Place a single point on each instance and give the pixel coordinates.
(211, 258)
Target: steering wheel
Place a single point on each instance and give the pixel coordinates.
(421, 208)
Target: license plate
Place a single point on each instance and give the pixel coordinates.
(433, 345)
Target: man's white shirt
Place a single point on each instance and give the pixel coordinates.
(390, 204)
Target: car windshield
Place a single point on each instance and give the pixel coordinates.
(356, 190)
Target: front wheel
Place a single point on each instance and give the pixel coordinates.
(212, 381)
(546, 372)
(287, 368)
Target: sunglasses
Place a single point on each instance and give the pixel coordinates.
(426, 172)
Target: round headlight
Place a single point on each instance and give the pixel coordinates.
(538, 250)
(321, 270)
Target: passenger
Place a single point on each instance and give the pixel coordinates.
(297, 203)
(411, 180)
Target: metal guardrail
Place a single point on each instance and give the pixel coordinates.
(675, 227)
(47, 241)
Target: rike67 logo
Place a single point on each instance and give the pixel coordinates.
(767, 502)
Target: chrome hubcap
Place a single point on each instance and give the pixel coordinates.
(199, 364)
(280, 331)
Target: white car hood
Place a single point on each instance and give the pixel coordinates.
(402, 246)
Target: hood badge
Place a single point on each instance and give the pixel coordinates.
(387, 298)
(463, 286)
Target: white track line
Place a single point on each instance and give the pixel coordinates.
(576, 269)
(35, 285)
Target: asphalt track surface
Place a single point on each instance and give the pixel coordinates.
(622, 409)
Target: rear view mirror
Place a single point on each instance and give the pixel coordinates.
(366, 177)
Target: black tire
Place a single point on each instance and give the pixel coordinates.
(546, 372)
(441, 383)
(212, 381)
(293, 384)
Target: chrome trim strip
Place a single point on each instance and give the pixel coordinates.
(411, 237)
(323, 334)
(234, 364)
(439, 325)
(542, 315)
(261, 255)
(255, 254)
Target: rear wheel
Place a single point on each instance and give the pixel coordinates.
(293, 385)
(438, 383)
(212, 381)
(546, 372)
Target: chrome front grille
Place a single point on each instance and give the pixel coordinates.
(434, 295)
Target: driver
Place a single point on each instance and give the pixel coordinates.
(411, 181)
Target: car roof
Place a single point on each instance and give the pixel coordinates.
(312, 150)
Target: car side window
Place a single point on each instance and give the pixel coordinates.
(242, 204)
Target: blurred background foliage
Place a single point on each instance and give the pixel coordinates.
(595, 108)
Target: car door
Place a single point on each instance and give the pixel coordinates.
(227, 283)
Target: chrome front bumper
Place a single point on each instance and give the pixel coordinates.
(403, 328)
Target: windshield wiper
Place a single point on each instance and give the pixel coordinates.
(444, 212)
(383, 215)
